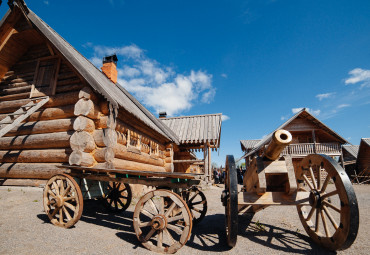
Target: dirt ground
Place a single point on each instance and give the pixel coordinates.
(25, 229)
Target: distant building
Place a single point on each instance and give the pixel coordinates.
(363, 161)
(310, 136)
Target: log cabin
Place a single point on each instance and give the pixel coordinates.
(309, 136)
(57, 109)
(362, 174)
(348, 159)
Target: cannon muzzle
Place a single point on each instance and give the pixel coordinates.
(280, 139)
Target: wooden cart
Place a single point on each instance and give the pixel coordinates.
(319, 188)
(162, 220)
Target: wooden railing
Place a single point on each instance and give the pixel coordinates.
(310, 148)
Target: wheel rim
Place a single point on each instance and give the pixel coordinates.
(197, 203)
(118, 196)
(63, 201)
(231, 208)
(154, 224)
(332, 218)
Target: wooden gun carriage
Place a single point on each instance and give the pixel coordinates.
(319, 188)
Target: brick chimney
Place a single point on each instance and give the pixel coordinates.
(163, 115)
(109, 67)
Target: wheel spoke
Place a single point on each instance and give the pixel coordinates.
(145, 224)
(308, 182)
(160, 239)
(332, 193)
(176, 218)
(172, 241)
(54, 212)
(326, 182)
(70, 206)
(313, 178)
(69, 198)
(60, 215)
(121, 203)
(152, 205)
(196, 209)
(170, 209)
(161, 205)
(310, 213)
(61, 188)
(174, 228)
(115, 204)
(52, 194)
(55, 186)
(317, 220)
(67, 190)
(330, 217)
(147, 213)
(192, 198)
(198, 203)
(67, 213)
(118, 185)
(331, 206)
(319, 178)
(327, 232)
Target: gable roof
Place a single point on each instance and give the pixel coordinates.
(351, 149)
(248, 144)
(197, 129)
(304, 114)
(114, 93)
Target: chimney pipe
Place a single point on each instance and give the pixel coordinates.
(109, 67)
(163, 115)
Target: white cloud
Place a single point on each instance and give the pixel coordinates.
(224, 75)
(224, 117)
(154, 84)
(359, 75)
(282, 118)
(325, 95)
(313, 112)
(343, 106)
(46, 2)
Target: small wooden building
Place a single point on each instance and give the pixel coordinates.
(196, 133)
(349, 158)
(57, 108)
(310, 136)
(363, 162)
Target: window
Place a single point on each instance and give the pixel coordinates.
(45, 79)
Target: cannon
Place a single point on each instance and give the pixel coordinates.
(318, 186)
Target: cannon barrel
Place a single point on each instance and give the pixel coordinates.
(280, 139)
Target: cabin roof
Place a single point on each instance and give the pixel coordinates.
(248, 144)
(114, 93)
(351, 149)
(197, 129)
(303, 114)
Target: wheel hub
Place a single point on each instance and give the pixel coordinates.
(315, 199)
(59, 201)
(159, 222)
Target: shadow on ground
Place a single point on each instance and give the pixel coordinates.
(209, 235)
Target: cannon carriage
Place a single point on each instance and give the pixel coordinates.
(319, 188)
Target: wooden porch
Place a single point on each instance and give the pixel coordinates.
(303, 149)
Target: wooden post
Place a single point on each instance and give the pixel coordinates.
(314, 140)
(206, 162)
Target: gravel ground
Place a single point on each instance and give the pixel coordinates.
(25, 229)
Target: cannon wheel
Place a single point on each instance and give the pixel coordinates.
(156, 227)
(63, 201)
(231, 203)
(335, 223)
(118, 197)
(197, 203)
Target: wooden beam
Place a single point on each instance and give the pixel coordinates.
(274, 198)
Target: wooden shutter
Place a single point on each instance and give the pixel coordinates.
(45, 79)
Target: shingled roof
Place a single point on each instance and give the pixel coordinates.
(114, 93)
(248, 144)
(197, 129)
(351, 149)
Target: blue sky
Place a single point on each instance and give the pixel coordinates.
(254, 61)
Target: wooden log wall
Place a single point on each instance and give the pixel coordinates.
(41, 142)
(75, 127)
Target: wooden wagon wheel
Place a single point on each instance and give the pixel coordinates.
(197, 203)
(332, 218)
(118, 197)
(230, 201)
(63, 201)
(154, 224)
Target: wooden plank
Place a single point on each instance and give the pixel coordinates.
(274, 198)
(134, 172)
